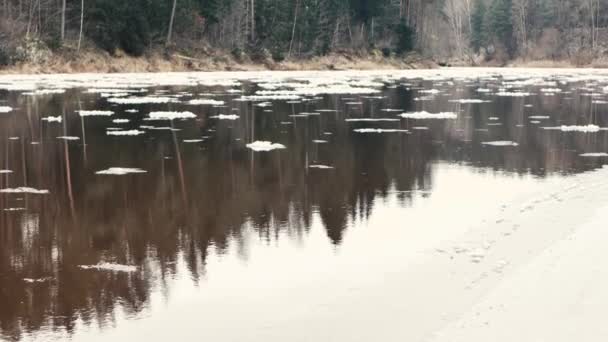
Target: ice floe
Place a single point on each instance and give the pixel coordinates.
(371, 120)
(5, 109)
(380, 130)
(24, 190)
(426, 115)
(66, 137)
(500, 143)
(120, 121)
(225, 117)
(264, 146)
(52, 119)
(142, 100)
(594, 155)
(171, 115)
(120, 171)
(319, 166)
(197, 102)
(110, 267)
(133, 132)
(3, 172)
(95, 112)
(583, 129)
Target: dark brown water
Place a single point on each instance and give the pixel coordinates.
(218, 242)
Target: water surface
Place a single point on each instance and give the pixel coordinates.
(312, 241)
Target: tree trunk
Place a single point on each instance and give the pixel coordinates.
(170, 31)
(293, 29)
(81, 23)
(63, 6)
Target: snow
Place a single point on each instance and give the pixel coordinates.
(583, 129)
(120, 121)
(64, 137)
(426, 115)
(2, 172)
(264, 146)
(24, 190)
(5, 109)
(120, 171)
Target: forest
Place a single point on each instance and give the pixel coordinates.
(465, 32)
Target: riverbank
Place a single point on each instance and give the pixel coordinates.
(99, 62)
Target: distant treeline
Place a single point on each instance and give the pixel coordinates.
(302, 28)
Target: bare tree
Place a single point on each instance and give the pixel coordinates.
(170, 31)
(81, 23)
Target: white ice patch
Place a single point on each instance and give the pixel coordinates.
(322, 167)
(465, 101)
(65, 137)
(142, 100)
(426, 115)
(132, 111)
(52, 119)
(539, 117)
(95, 112)
(320, 141)
(500, 143)
(380, 130)
(120, 171)
(120, 121)
(225, 117)
(133, 132)
(5, 109)
(3, 172)
(36, 280)
(513, 94)
(24, 190)
(109, 267)
(371, 120)
(171, 115)
(193, 141)
(200, 102)
(594, 155)
(583, 129)
(264, 146)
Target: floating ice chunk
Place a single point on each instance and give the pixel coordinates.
(484, 90)
(24, 190)
(513, 94)
(429, 91)
(132, 111)
(583, 129)
(3, 172)
(264, 104)
(320, 141)
(538, 117)
(52, 119)
(171, 115)
(5, 109)
(132, 132)
(142, 100)
(37, 280)
(420, 128)
(120, 121)
(551, 90)
(465, 101)
(427, 115)
(391, 110)
(44, 92)
(371, 120)
(64, 137)
(264, 146)
(199, 102)
(120, 171)
(255, 98)
(110, 267)
(95, 112)
(594, 155)
(13, 209)
(225, 117)
(322, 167)
(500, 143)
(380, 130)
(192, 141)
